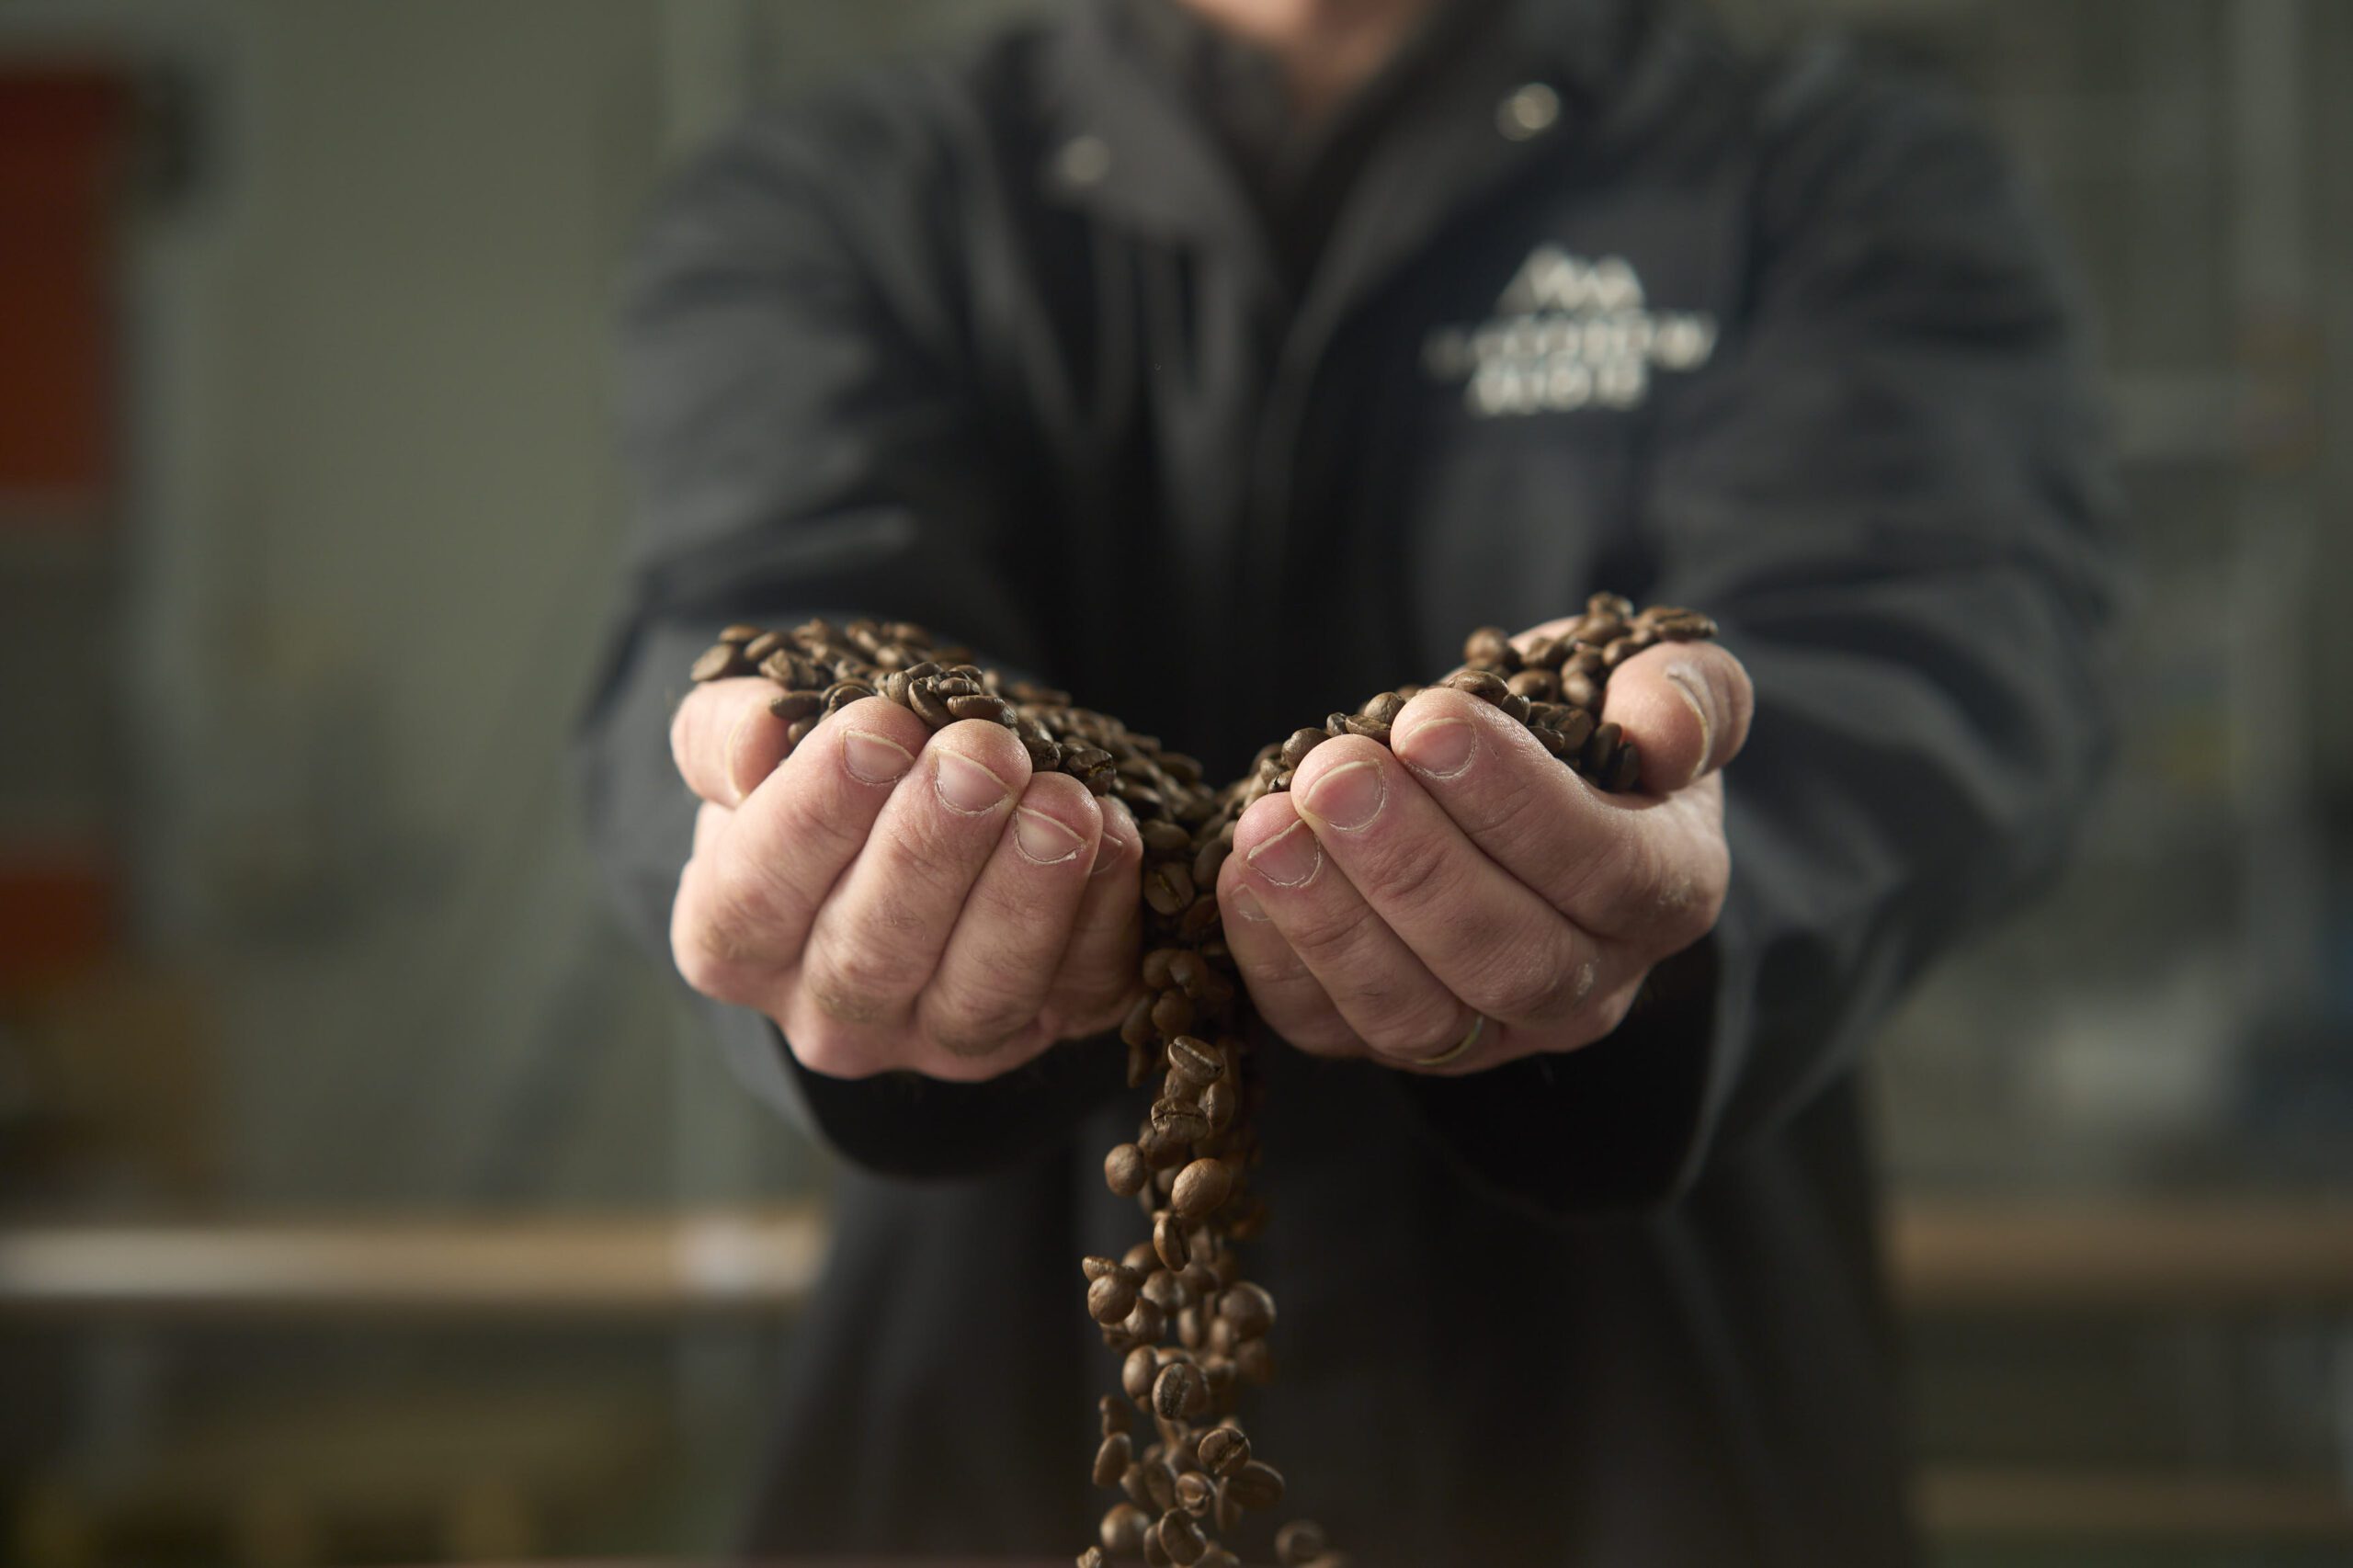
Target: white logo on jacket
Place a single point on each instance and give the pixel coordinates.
(1568, 334)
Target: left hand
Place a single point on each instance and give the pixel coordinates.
(1387, 902)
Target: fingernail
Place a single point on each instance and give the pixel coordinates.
(1441, 748)
(1350, 796)
(1687, 684)
(1289, 859)
(1041, 839)
(1108, 848)
(874, 759)
(966, 787)
(1245, 903)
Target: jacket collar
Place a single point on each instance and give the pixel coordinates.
(1129, 145)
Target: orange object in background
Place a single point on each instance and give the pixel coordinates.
(63, 133)
(57, 919)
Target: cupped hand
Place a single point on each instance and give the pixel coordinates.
(894, 897)
(1388, 903)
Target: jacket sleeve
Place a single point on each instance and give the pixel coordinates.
(1890, 489)
(802, 441)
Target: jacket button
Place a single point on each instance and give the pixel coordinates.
(1083, 162)
(1528, 112)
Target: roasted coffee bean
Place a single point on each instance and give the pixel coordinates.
(1123, 1529)
(1223, 1450)
(1168, 888)
(717, 662)
(1192, 1058)
(1218, 1103)
(1168, 1239)
(1180, 1391)
(793, 705)
(1299, 1543)
(1137, 1372)
(1164, 1146)
(1164, 1290)
(1479, 683)
(1536, 686)
(1181, 1538)
(841, 693)
(1172, 1013)
(1181, 1120)
(1154, 1484)
(1217, 1557)
(981, 706)
(1124, 1170)
(1302, 742)
(1489, 645)
(1145, 1322)
(923, 697)
(1200, 918)
(1248, 1308)
(1163, 838)
(1202, 1186)
(1111, 1298)
(1191, 974)
(1188, 1165)
(1256, 1485)
(1600, 749)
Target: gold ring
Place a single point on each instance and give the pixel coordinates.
(1478, 1028)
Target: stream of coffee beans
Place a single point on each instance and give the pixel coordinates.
(1191, 1166)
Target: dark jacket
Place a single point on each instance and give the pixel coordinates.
(999, 343)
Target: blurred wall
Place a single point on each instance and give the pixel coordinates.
(373, 529)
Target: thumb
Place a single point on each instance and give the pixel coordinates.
(1686, 706)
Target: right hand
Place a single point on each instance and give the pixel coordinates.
(896, 898)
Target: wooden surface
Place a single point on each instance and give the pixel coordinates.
(1944, 1258)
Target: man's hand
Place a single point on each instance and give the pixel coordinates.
(1386, 903)
(896, 898)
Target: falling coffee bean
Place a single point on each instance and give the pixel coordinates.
(1192, 1162)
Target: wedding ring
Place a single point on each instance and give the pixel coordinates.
(1478, 1028)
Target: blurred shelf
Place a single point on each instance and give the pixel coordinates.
(1945, 1257)
(2144, 1255)
(654, 1265)
(2087, 1505)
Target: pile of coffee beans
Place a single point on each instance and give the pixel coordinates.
(1189, 1476)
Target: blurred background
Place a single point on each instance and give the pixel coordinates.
(363, 1199)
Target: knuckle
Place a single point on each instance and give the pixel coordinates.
(1331, 935)
(1536, 985)
(825, 1047)
(1414, 875)
(976, 1013)
(713, 939)
(856, 988)
(1419, 1024)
